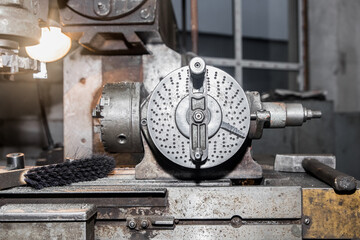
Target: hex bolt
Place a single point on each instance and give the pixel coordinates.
(307, 220)
(144, 223)
(100, 5)
(145, 13)
(198, 116)
(144, 122)
(132, 224)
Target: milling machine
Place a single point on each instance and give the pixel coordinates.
(181, 132)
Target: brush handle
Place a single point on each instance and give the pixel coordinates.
(12, 178)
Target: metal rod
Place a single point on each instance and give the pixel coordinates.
(341, 182)
(301, 45)
(44, 119)
(238, 40)
(194, 26)
(255, 64)
(305, 45)
(183, 32)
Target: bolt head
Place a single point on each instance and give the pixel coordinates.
(145, 13)
(307, 221)
(144, 224)
(198, 154)
(144, 122)
(132, 224)
(198, 116)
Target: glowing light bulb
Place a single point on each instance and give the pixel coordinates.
(53, 45)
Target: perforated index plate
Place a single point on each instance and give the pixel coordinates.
(224, 143)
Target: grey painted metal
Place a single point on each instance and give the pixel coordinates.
(293, 162)
(165, 100)
(47, 230)
(246, 202)
(46, 212)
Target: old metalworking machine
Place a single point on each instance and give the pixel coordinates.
(198, 122)
(181, 132)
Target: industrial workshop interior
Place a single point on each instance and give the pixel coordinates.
(179, 119)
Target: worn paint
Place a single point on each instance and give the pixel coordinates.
(331, 215)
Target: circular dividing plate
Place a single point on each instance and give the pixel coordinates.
(162, 121)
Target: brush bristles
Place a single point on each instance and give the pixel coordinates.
(86, 169)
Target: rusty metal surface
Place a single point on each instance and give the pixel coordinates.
(200, 231)
(162, 56)
(80, 89)
(45, 230)
(331, 215)
(47, 221)
(46, 212)
(247, 202)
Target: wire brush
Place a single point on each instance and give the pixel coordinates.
(85, 169)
